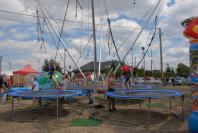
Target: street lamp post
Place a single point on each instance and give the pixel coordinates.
(10, 65)
(39, 65)
(143, 48)
(0, 63)
(64, 63)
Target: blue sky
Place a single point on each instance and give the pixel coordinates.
(18, 34)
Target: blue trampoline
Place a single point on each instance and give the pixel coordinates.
(78, 88)
(144, 94)
(45, 94)
(150, 94)
(20, 89)
(51, 94)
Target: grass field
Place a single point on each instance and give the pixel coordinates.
(131, 117)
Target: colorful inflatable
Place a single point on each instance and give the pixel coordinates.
(191, 32)
(191, 29)
(46, 83)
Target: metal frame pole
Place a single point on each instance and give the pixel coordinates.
(182, 107)
(161, 55)
(170, 104)
(95, 52)
(64, 63)
(158, 3)
(0, 63)
(62, 42)
(57, 106)
(12, 107)
(149, 110)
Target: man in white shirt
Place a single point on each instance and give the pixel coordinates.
(35, 86)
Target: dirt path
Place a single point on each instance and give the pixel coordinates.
(161, 120)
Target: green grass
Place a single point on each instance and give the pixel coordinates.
(156, 105)
(80, 122)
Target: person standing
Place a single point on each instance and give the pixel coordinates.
(5, 89)
(35, 87)
(52, 68)
(111, 100)
(64, 82)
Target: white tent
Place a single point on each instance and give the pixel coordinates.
(9, 73)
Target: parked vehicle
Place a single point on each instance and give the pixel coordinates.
(139, 80)
(154, 80)
(180, 81)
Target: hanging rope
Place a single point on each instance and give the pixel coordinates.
(62, 29)
(111, 34)
(40, 30)
(43, 40)
(77, 3)
(134, 2)
(124, 42)
(86, 47)
(152, 38)
(112, 38)
(44, 13)
(107, 41)
(53, 39)
(81, 30)
(134, 42)
(155, 24)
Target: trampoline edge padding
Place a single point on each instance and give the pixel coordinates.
(144, 94)
(46, 94)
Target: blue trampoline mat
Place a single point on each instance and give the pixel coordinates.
(52, 94)
(143, 94)
(74, 87)
(140, 87)
(19, 89)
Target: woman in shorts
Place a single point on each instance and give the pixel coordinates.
(111, 101)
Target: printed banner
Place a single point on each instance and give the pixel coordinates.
(194, 75)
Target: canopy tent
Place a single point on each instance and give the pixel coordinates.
(9, 73)
(26, 70)
(19, 75)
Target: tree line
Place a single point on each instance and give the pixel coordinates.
(182, 71)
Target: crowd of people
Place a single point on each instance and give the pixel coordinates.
(5, 85)
(69, 80)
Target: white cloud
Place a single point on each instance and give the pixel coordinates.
(22, 53)
(122, 14)
(2, 34)
(14, 5)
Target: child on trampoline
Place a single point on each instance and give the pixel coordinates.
(126, 71)
(35, 87)
(111, 101)
(52, 68)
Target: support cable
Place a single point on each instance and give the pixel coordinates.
(132, 45)
(152, 38)
(61, 32)
(62, 42)
(111, 33)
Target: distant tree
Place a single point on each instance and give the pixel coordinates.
(168, 72)
(148, 73)
(183, 70)
(140, 72)
(173, 72)
(45, 67)
(157, 73)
